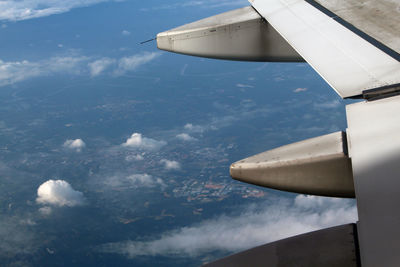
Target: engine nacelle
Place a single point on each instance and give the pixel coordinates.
(240, 34)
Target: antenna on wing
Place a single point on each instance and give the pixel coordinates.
(148, 41)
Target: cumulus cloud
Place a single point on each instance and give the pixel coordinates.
(131, 63)
(28, 9)
(76, 145)
(170, 164)
(126, 33)
(137, 141)
(100, 65)
(299, 90)
(185, 137)
(277, 219)
(58, 193)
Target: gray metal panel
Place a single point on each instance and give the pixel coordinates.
(328, 247)
(240, 34)
(374, 147)
(317, 166)
(379, 19)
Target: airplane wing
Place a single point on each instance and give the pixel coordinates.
(350, 63)
(355, 46)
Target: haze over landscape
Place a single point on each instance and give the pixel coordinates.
(117, 154)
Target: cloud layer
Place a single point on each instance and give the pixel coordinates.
(276, 220)
(59, 193)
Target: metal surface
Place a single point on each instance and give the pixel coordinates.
(346, 61)
(236, 35)
(330, 247)
(317, 166)
(374, 147)
(379, 19)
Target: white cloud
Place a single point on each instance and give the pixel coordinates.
(329, 104)
(29, 9)
(100, 65)
(16, 71)
(12, 72)
(126, 33)
(185, 137)
(240, 85)
(194, 128)
(299, 90)
(135, 181)
(131, 63)
(76, 145)
(58, 193)
(254, 226)
(145, 180)
(136, 157)
(170, 164)
(137, 141)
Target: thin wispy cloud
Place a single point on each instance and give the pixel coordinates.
(131, 63)
(241, 85)
(12, 72)
(185, 137)
(299, 90)
(145, 180)
(194, 128)
(135, 157)
(135, 181)
(200, 4)
(99, 66)
(17, 239)
(29, 9)
(278, 219)
(126, 33)
(16, 71)
(328, 105)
